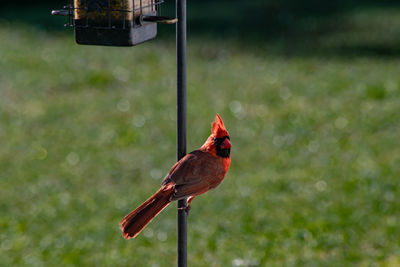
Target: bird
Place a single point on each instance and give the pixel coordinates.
(194, 174)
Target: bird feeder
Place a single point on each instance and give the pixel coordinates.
(113, 22)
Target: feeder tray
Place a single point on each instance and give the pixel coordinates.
(113, 22)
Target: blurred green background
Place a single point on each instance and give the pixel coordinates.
(309, 91)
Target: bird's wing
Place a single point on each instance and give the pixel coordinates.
(194, 174)
(184, 165)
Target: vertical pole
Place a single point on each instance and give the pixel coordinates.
(181, 122)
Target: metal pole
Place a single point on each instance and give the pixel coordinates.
(181, 122)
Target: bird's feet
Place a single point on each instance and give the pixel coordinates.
(186, 209)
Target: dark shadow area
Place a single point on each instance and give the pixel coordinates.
(377, 50)
(287, 27)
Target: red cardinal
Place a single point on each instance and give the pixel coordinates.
(193, 175)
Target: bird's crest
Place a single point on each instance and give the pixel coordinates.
(218, 129)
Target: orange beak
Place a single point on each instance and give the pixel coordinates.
(226, 144)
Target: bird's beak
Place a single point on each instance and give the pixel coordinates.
(226, 144)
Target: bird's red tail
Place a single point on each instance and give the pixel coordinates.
(134, 222)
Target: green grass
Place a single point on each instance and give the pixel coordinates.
(87, 134)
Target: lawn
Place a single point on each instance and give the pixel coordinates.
(88, 133)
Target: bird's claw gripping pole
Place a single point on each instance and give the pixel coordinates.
(186, 209)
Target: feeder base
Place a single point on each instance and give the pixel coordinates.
(115, 36)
